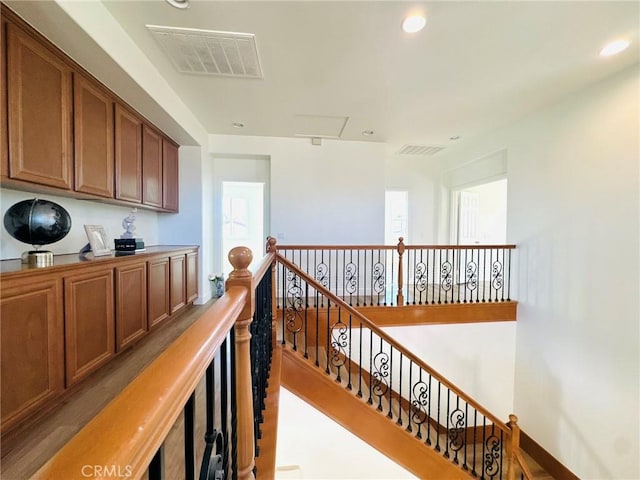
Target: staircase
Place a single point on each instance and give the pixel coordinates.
(338, 361)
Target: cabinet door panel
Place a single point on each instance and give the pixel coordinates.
(4, 141)
(151, 167)
(32, 358)
(128, 141)
(93, 139)
(170, 180)
(158, 291)
(178, 285)
(131, 304)
(39, 102)
(89, 322)
(192, 276)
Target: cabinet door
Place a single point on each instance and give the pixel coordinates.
(192, 276)
(40, 105)
(170, 180)
(128, 141)
(32, 358)
(158, 290)
(93, 138)
(151, 167)
(89, 322)
(131, 304)
(4, 141)
(178, 284)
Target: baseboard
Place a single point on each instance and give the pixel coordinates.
(545, 459)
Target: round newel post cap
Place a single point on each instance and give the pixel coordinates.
(513, 419)
(401, 245)
(240, 258)
(271, 244)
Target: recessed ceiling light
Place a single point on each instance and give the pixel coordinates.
(238, 124)
(413, 23)
(367, 133)
(614, 47)
(179, 3)
(454, 137)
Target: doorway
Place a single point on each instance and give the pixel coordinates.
(242, 218)
(481, 214)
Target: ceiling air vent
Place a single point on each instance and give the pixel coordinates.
(420, 149)
(209, 52)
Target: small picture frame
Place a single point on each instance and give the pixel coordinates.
(98, 240)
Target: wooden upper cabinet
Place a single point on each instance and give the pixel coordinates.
(4, 141)
(40, 106)
(128, 150)
(31, 350)
(89, 322)
(93, 137)
(151, 167)
(170, 180)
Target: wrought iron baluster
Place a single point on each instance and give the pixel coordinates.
(156, 467)
(360, 362)
(349, 355)
(390, 414)
(306, 319)
(509, 278)
(190, 438)
(399, 422)
(475, 441)
(484, 274)
(446, 448)
(370, 400)
(430, 393)
(433, 278)
(409, 411)
(284, 299)
(393, 279)
(438, 420)
(327, 371)
(466, 416)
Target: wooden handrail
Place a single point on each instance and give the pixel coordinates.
(394, 247)
(262, 267)
(126, 434)
(396, 345)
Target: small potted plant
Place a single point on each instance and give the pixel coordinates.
(217, 284)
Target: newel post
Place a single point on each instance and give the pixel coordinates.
(272, 247)
(401, 248)
(514, 446)
(240, 258)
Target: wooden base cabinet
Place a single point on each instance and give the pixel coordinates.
(59, 324)
(89, 322)
(158, 289)
(32, 355)
(131, 304)
(177, 294)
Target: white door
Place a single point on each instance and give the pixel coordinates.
(242, 219)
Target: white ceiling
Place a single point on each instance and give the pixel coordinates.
(476, 66)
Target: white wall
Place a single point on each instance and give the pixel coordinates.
(328, 194)
(476, 357)
(325, 450)
(82, 212)
(573, 211)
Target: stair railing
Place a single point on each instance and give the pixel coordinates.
(397, 275)
(387, 376)
(127, 438)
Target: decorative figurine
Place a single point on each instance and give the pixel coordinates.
(129, 227)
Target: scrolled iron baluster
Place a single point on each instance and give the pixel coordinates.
(292, 314)
(381, 372)
(378, 278)
(322, 274)
(456, 431)
(418, 410)
(471, 278)
(338, 345)
(496, 276)
(351, 278)
(446, 272)
(420, 279)
(491, 462)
